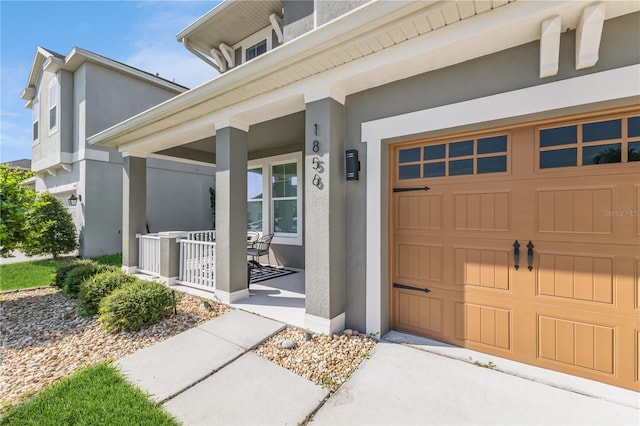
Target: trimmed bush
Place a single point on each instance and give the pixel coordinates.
(62, 271)
(80, 273)
(99, 286)
(135, 305)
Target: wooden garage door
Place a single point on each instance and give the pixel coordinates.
(525, 244)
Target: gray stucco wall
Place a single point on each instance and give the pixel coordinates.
(497, 73)
(102, 208)
(298, 18)
(177, 199)
(47, 148)
(178, 196)
(124, 98)
(329, 10)
(65, 113)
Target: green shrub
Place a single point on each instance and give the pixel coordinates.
(80, 273)
(135, 305)
(49, 227)
(62, 271)
(99, 286)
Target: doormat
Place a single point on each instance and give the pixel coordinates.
(268, 272)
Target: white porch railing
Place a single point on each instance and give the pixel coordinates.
(197, 264)
(149, 254)
(209, 236)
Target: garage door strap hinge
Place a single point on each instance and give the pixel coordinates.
(423, 188)
(409, 287)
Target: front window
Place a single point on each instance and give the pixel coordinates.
(284, 193)
(53, 106)
(274, 197)
(35, 118)
(256, 50)
(254, 201)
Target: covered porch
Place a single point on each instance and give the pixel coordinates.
(281, 177)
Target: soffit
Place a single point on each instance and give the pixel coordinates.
(232, 21)
(297, 61)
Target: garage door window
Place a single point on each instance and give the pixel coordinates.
(592, 143)
(455, 158)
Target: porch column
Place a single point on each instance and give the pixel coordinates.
(134, 208)
(231, 212)
(324, 213)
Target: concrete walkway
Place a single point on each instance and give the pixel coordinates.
(208, 376)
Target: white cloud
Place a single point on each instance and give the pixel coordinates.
(155, 49)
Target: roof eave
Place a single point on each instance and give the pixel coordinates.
(306, 45)
(204, 19)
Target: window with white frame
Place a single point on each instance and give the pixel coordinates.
(255, 50)
(53, 105)
(35, 118)
(275, 197)
(284, 198)
(254, 199)
(256, 44)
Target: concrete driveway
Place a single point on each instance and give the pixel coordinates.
(403, 385)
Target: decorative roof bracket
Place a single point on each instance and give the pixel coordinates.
(229, 55)
(217, 56)
(276, 23)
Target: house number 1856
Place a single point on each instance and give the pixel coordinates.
(317, 164)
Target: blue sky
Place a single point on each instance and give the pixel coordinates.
(138, 33)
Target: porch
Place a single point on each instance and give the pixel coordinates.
(274, 291)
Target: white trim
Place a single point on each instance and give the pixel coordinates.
(253, 39)
(53, 83)
(323, 325)
(266, 164)
(616, 84)
(133, 154)
(588, 36)
(550, 46)
(231, 122)
(91, 154)
(229, 298)
(323, 93)
(276, 23)
(35, 110)
(61, 189)
(181, 160)
(130, 270)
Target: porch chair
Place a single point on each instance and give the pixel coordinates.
(258, 249)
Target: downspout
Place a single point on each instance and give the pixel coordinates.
(188, 46)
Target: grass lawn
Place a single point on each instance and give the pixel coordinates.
(110, 259)
(35, 273)
(39, 273)
(96, 395)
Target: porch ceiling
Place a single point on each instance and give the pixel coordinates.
(283, 134)
(345, 55)
(230, 22)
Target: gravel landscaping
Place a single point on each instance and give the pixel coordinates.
(44, 339)
(325, 360)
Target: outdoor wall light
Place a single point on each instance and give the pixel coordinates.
(73, 200)
(353, 164)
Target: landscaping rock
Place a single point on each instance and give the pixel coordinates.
(288, 344)
(44, 339)
(325, 360)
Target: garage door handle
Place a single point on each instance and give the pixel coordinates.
(409, 287)
(530, 247)
(422, 188)
(516, 255)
